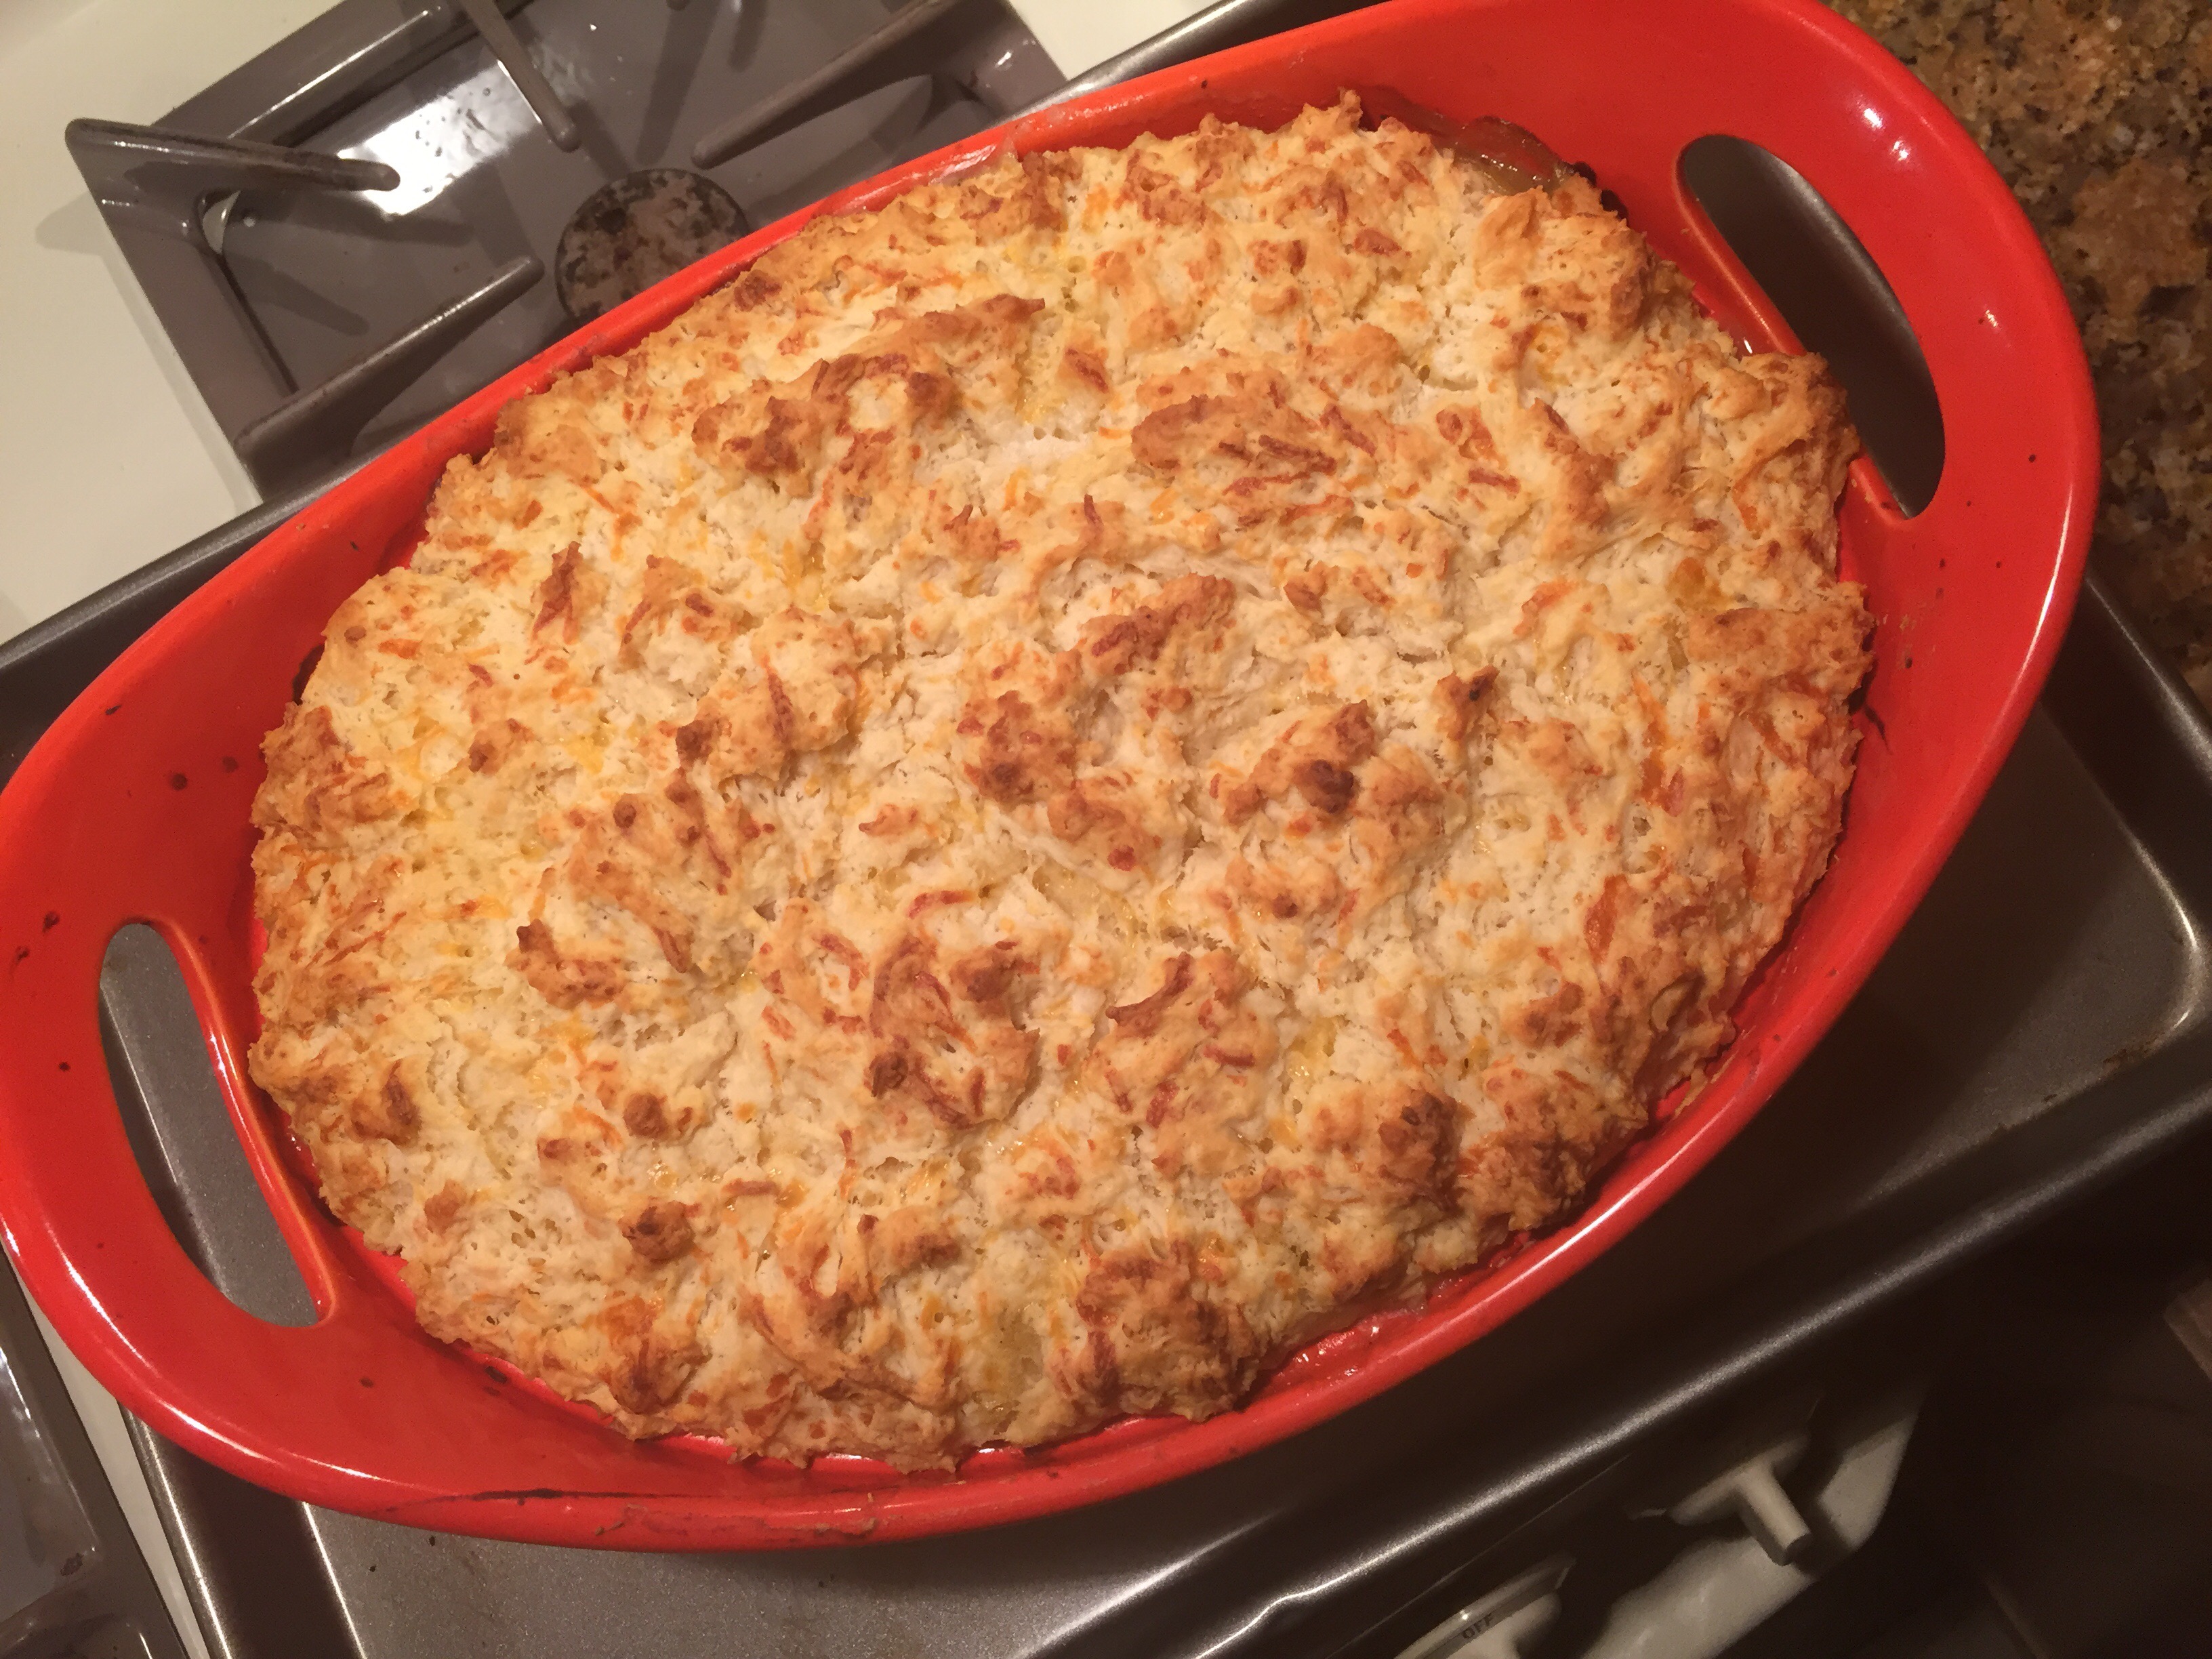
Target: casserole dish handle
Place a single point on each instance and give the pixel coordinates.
(79, 1212)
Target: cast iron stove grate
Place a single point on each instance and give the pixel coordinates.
(356, 229)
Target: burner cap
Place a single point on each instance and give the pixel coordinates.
(630, 234)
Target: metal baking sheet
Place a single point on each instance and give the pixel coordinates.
(2039, 1028)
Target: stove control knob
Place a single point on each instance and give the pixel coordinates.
(1501, 1624)
(1752, 1491)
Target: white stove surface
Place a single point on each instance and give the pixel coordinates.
(110, 458)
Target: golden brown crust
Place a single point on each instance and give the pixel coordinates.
(1061, 784)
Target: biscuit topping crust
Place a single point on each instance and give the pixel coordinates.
(1063, 785)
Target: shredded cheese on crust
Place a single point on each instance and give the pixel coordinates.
(1061, 787)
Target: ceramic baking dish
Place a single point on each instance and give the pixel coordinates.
(133, 807)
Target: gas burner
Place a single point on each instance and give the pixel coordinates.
(630, 234)
(352, 232)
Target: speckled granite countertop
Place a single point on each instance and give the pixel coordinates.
(2099, 116)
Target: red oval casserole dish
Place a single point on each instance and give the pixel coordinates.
(133, 807)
